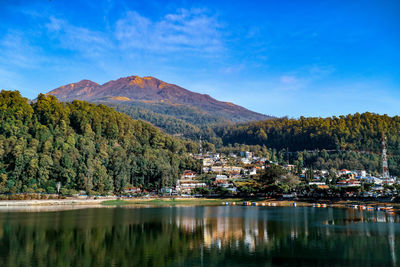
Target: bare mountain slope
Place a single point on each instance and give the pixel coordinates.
(153, 91)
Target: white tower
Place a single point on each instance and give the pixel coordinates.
(385, 169)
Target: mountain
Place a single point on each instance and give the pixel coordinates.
(151, 93)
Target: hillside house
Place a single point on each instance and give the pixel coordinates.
(188, 175)
(349, 183)
(132, 190)
(208, 162)
(186, 187)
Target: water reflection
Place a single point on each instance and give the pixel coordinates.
(360, 216)
(208, 236)
(46, 208)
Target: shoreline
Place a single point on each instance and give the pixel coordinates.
(118, 201)
(54, 202)
(252, 202)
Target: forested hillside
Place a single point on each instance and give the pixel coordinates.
(361, 132)
(83, 146)
(168, 123)
(189, 114)
(351, 142)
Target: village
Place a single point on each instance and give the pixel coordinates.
(240, 175)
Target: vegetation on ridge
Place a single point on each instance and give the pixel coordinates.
(84, 147)
(360, 132)
(352, 141)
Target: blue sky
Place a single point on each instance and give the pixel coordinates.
(294, 58)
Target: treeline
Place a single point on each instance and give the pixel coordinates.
(351, 142)
(321, 159)
(186, 113)
(351, 160)
(167, 123)
(84, 147)
(359, 132)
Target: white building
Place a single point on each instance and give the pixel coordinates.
(253, 171)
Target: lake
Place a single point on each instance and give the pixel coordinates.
(199, 236)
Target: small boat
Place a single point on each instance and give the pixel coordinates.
(384, 208)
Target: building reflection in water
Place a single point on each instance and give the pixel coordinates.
(223, 226)
(262, 226)
(179, 236)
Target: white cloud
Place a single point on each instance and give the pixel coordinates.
(90, 43)
(186, 30)
(232, 69)
(17, 51)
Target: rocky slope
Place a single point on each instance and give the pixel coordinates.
(149, 90)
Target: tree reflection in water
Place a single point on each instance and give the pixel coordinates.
(208, 236)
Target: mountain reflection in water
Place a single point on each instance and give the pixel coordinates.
(199, 236)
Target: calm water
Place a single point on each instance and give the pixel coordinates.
(199, 236)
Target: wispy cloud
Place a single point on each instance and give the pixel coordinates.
(17, 51)
(71, 37)
(232, 69)
(186, 30)
(9, 79)
(304, 77)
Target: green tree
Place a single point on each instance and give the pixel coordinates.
(272, 174)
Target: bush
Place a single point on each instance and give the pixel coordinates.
(64, 192)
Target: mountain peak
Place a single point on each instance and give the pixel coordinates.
(80, 88)
(152, 90)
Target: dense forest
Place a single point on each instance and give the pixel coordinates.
(186, 113)
(169, 124)
(321, 159)
(360, 132)
(84, 147)
(352, 141)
